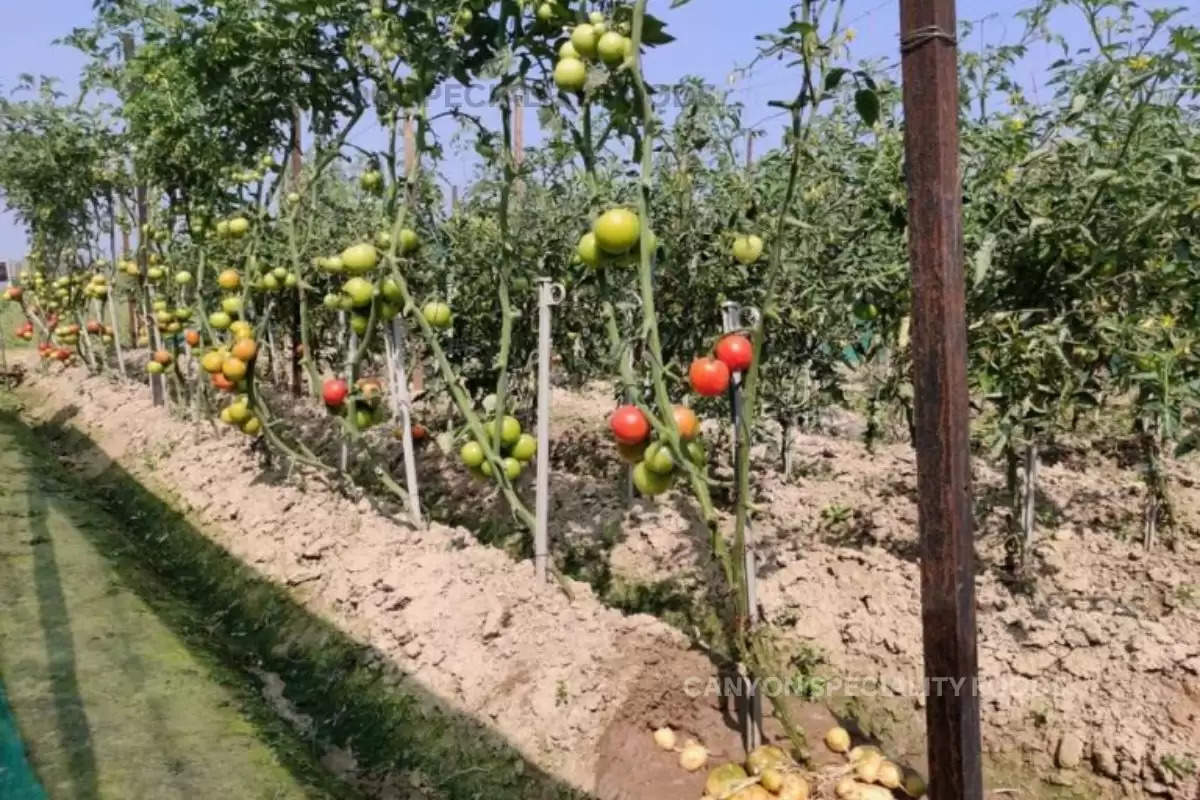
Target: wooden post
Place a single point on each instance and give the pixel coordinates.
(295, 187)
(133, 313)
(410, 173)
(157, 385)
(939, 345)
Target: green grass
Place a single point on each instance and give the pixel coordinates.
(353, 694)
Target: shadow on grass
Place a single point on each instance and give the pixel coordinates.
(71, 719)
(356, 698)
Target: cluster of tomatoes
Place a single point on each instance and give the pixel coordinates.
(369, 409)
(612, 239)
(24, 331)
(654, 463)
(228, 366)
(51, 353)
(654, 466)
(517, 449)
(710, 375)
(239, 415)
(358, 292)
(594, 40)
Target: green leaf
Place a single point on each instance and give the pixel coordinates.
(983, 259)
(1100, 175)
(802, 28)
(834, 77)
(866, 102)
(654, 31)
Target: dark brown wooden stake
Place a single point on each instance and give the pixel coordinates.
(939, 343)
(133, 314)
(157, 387)
(295, 187)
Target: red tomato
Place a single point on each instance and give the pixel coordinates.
(419, 432)
(687, 422)
(736, 352)
(222, 383)
(335, 392)
(709, 377)
(629, 425)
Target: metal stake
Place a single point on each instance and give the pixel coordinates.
(549, 295)
(733, 319)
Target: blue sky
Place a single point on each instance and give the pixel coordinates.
(714, 38)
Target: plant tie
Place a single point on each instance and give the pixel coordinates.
(915, 38)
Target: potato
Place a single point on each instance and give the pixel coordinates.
(889, 775)
(765, 757)
(693, 756)
(838, 740)
(862, 751)
(794, 788)
(772, 779)
(867, 770)
(722, 779)
(665, 738)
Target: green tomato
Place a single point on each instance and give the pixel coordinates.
(617, 231)
(358, 323)
(183, 277)
(747, 249)
(472, 454)
(570, 75)
(587, 251)
(512, 468)
(510, 431)
(391, 291)
(360, 258)
(525, 448)
(612, 48)
(331, 301)
(866, 312)
(584, 38)
(437, 315)
(359, 290)
(648, 482)
(658, 459)
(231, 304)
(409, 241)
(238, 226)
(219, 320)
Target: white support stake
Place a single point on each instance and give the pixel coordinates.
(733, 319)
(549, 295)
(402, 410)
